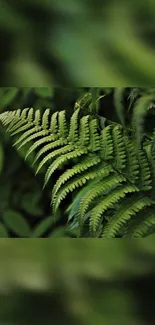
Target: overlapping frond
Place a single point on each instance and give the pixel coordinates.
(141, 225)
(127, 209)
(101, 187)
(110, 199)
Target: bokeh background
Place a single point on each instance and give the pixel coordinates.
(62, 281)
(77, 43)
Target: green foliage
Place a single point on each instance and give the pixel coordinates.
(19, 190)
(77, 282)
(141, 100)
(123, 171)
(108, 43)
(43, 226)
(3, 231)
(16, 223)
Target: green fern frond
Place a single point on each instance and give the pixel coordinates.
(142, 228)
(83, 101)
(132, 162)
(79, 181)
(42, 141)
(119, 148)
(101, 187)
(75, 205)
(87, 162)
(16, 123)
(140, 110)
(74, 127)
(62, 125)
(117, 177)
(134, 93)
(84, 131)
(61, 160)
(151, 159)
(127, 209)
(45, 119)
(107, 146)
(50, 146)
(58, 152)
(141, 224)
(144, 180)
(23, 123)
(54, 123)
(33, 136)
(113, 197)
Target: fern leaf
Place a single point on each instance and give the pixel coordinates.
(62, 125)
(110, 199)
(84, 131)
(40, 142)
(77, 169)
(27, 134)
(79, 181)
(140, 225)
(37, 117)
(7, 117)
(75, 205)
(53, 154)
(106, 143)
(54, 123)
(22, 128)
(83, 101)
(132, 163)
(151, 159)
(59, 161)
(73, 131)
(140, 110)
(144, 181)
(45, 119)
(134, 93)
(128, 209)
(38, 134)
(30, 115)
(142, 228)
(108, 156)
(50, 146)
(119, 148)
(18, 120)
(102, 186)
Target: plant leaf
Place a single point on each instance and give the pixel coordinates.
(3, 231)
(16, 223)
(43, 226)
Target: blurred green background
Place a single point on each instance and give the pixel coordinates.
(77, 282)
(77, 43)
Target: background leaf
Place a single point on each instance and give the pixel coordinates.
(16, 223)
(42, 227)
(3, 231)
